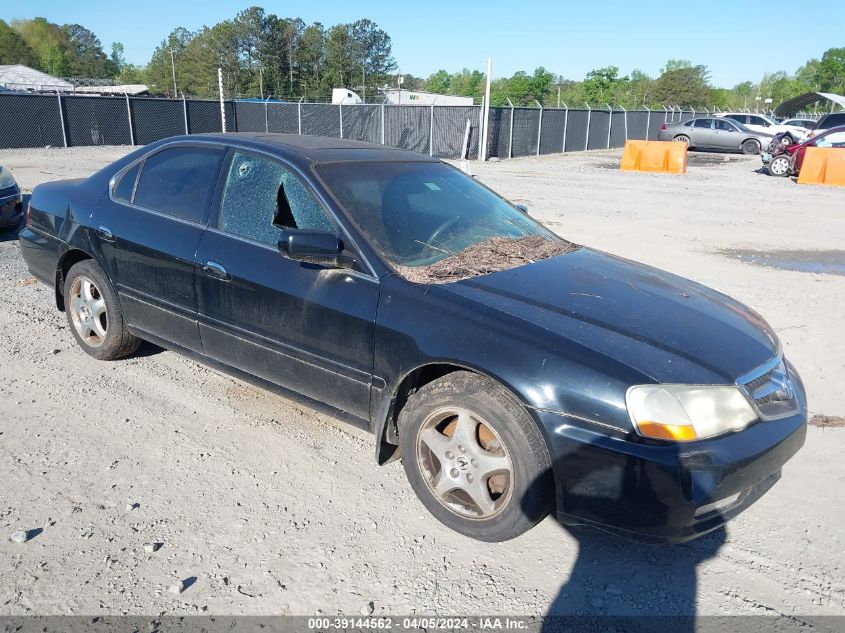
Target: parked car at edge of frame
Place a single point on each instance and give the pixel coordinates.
(765, 124)
(790, 161)
(715, 133)
(829, 121)
(613, 394)
(11, 207)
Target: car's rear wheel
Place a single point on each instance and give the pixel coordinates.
(779, 166)
(682, 138)
(750, 147)
(475, 458)
(94, 313)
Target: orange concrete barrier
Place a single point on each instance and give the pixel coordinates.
(823, 166)
(668, 157)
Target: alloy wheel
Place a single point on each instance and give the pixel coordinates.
(88, 311)
(465, 463)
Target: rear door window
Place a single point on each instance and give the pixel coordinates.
(703, 123)
(179, 181)
(740, 118)
(125, 187)
(262, 198)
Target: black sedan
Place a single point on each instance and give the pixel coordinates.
(513, 372)
(11, 207)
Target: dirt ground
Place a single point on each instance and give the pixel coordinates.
(265, 507)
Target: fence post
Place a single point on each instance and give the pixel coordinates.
(540, 126)
(431, 131)
(565, 124)
(299, 114)
(340, 115)
(609, 123)
(510, 134)
(266, 115)
(129, 118)
(480, 127)
(648, 123)
(185, 112)
(222, 102)
(62, 117)
(625, 120)
(589, 116)
(382, 122)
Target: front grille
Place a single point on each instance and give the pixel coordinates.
(771, 390)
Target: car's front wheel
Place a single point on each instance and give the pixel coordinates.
(475, 457)
(94, 313)
(750, 147)
(779, 166)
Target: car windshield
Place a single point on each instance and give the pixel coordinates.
(419, 213)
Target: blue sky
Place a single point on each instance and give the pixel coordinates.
(735, 39)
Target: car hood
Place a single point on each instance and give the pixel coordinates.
(661, 325)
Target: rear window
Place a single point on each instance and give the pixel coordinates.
(179, 181)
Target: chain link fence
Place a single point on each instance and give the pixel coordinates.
(440, 131)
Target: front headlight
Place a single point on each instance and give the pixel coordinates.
(6, 178)
(684, 413)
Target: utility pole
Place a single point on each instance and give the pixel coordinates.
(486, 110)
(173, 68)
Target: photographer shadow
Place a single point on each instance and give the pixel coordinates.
(620, 583)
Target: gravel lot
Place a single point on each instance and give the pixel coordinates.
(265, 507)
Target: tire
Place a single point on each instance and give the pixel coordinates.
(465, 432)
(750, 147)
(682, 138)
(94, 314)
(779, 166)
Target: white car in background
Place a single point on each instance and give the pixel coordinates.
(763, 123)
(807, 124)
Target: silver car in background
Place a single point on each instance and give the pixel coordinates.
(716, 133)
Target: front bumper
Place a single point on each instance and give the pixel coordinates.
(11, 207)
(666, 492)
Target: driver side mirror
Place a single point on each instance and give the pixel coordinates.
(313, 247)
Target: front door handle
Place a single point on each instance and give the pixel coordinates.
(104, 233)
(213, 269)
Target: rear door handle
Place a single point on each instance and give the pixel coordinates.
(213, 269)
(105, 233)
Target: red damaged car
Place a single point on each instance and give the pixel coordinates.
(789, 162)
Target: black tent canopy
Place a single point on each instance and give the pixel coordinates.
(793, 106)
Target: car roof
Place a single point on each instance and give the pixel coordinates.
(312, 149)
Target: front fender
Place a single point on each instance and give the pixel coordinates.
(417, 326)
